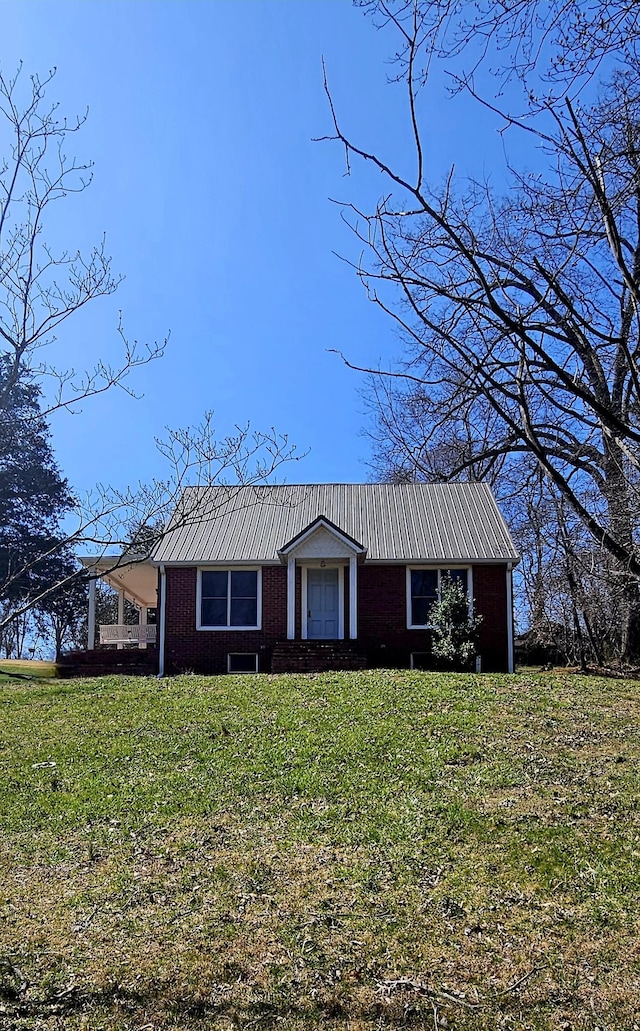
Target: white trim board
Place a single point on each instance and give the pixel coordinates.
(228, 569)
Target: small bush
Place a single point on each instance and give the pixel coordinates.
(455, 630)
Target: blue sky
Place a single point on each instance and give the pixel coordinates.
(215, 204)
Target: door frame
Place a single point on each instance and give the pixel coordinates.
(321, 564)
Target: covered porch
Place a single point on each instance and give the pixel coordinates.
(327, 559)
(134, 580)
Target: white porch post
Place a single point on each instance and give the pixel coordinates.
(353, 597)
(291, 598)
(91, 621)
(120, 613)
(163, 621)
(510, 649)
(142, 620)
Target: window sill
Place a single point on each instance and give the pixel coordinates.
(227, 629)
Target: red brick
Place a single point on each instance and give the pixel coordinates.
(382, 619)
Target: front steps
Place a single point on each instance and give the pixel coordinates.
(317, 656)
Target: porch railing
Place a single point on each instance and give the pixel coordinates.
(128, 634)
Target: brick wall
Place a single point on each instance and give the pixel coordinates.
(205, 651)
(382, 620)
(490, 593)
(382, 616)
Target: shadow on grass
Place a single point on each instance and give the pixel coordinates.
(402, 1003)
(27, 669)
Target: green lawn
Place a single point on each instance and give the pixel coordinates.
(353, 850)
(27, 668)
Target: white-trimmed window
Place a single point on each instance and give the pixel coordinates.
(421, 660)
(423, 590)
(242, 662)
(228, 599)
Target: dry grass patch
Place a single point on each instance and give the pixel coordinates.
(351, 850)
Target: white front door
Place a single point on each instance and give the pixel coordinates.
(323, 614)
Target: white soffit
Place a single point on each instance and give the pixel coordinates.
(139, 580)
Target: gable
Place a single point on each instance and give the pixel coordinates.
(321, 543)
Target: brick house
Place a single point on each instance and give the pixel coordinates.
(304, 577)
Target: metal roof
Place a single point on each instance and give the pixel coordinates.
(416, 522)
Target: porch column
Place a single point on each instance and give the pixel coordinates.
(162, 614)
(91, 621)
(510, 652)
(353, 597)
(120, 613)
(142, 620)
(291, 598)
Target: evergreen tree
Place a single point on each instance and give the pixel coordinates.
(34, 497)
(455, 630)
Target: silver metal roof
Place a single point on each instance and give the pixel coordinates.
(405, 522)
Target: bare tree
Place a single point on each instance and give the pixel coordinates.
(123, 525)
(520, 311)
(41, 287)
(570, 601)
(552, 48)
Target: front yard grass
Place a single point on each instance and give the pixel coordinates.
(349, 850)
(27, 668)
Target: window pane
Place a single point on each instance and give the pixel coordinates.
(244, 598)
(424, 591)
(213, 612)
(247, 663)
(214, 583)
(244, 612)
(244, 584)
(420, 611)
(424, 582)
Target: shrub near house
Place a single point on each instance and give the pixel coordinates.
(455, 628)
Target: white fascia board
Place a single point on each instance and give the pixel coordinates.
(222, 563)
(442, 562)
